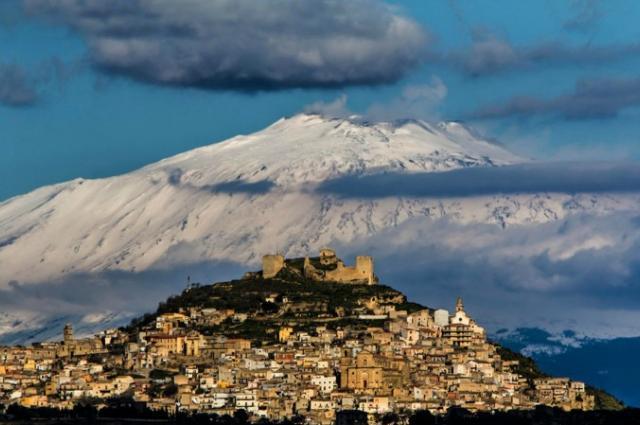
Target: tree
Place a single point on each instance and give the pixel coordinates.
(170, 390)
(241, 417)
(422, 417)
(390, 418)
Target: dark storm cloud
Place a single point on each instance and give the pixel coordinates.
(244, 44)
(596, 98)
(575, 272)
(561, 177)
(16, 87)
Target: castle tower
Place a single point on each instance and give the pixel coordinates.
(459, 304)
(68, 333)
(328, 256)
(364, 266)
(307, 268)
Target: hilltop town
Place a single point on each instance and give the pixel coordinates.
(304, 336)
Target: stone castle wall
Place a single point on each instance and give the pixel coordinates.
(271, 265)
(360, 273)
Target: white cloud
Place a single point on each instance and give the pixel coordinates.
(418, 101)
(336, 108)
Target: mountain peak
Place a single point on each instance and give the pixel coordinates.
(308, 148)
(130, 221)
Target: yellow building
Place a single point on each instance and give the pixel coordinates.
(165, 345)
(78, 347)
(284, 333)
(34, 401)
(29, 365)
(363, 374)
(193, 344)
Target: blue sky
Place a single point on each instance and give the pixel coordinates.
(549, 79)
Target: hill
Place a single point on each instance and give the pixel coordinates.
(289, 298)
(259, 307)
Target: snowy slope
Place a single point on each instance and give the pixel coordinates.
(131, 221)
(22, 327)
(249, 195)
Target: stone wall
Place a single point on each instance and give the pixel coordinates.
(361, 272)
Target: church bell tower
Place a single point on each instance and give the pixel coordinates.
(459, 305)
(68, 333)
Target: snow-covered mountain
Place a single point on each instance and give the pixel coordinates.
(249, 195)
(21, 327)
(235, 199)
(238, 199)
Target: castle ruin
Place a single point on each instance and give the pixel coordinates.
(325, 268)
(271, 265)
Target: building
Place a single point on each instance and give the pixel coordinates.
(326, 267)
(362, 374)
(462, 331)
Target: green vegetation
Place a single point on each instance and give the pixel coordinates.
(248, 296)
(410, 307)
(527, 367)
(255, 330)
(300, 302)
(604, 400)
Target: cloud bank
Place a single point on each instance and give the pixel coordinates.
(243, 44)
(491, 53)
(591, 98)
(559, 177)
(87, 298)
(580, 272)
(83, 293)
